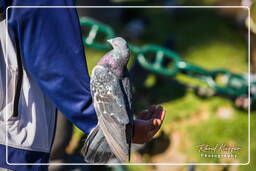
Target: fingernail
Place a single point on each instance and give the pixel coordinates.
(163, 114)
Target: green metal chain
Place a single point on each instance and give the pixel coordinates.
(95, 29)
(235, 85)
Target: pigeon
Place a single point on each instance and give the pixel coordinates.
(111, 92)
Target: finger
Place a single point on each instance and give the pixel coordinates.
(160, 109)
(144, 115)
(156, 123)
(162, 115)
(153, 127)
(153, 109)
(150, 113)
(148, 116)
(149, 130)
(152, 124)
(158, 112)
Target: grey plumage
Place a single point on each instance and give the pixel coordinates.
(112, 99)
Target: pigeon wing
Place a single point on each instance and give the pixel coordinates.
(96, 148)
(110, 106)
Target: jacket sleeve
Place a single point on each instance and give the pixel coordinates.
(52, 52)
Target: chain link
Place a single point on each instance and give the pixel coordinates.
(96, 28)
(167, 62)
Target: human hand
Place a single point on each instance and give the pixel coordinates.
(147, 124)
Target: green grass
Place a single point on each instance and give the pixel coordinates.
(206, 39)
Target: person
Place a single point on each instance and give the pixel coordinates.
(42, 61)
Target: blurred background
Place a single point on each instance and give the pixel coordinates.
(196, 114)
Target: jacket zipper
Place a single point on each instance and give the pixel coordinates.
(18, 85)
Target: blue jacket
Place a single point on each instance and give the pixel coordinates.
(51, 72)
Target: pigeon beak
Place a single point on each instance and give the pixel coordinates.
(110, 41)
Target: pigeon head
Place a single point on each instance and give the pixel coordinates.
(118, 43)
(120, 46)
(118, 57)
